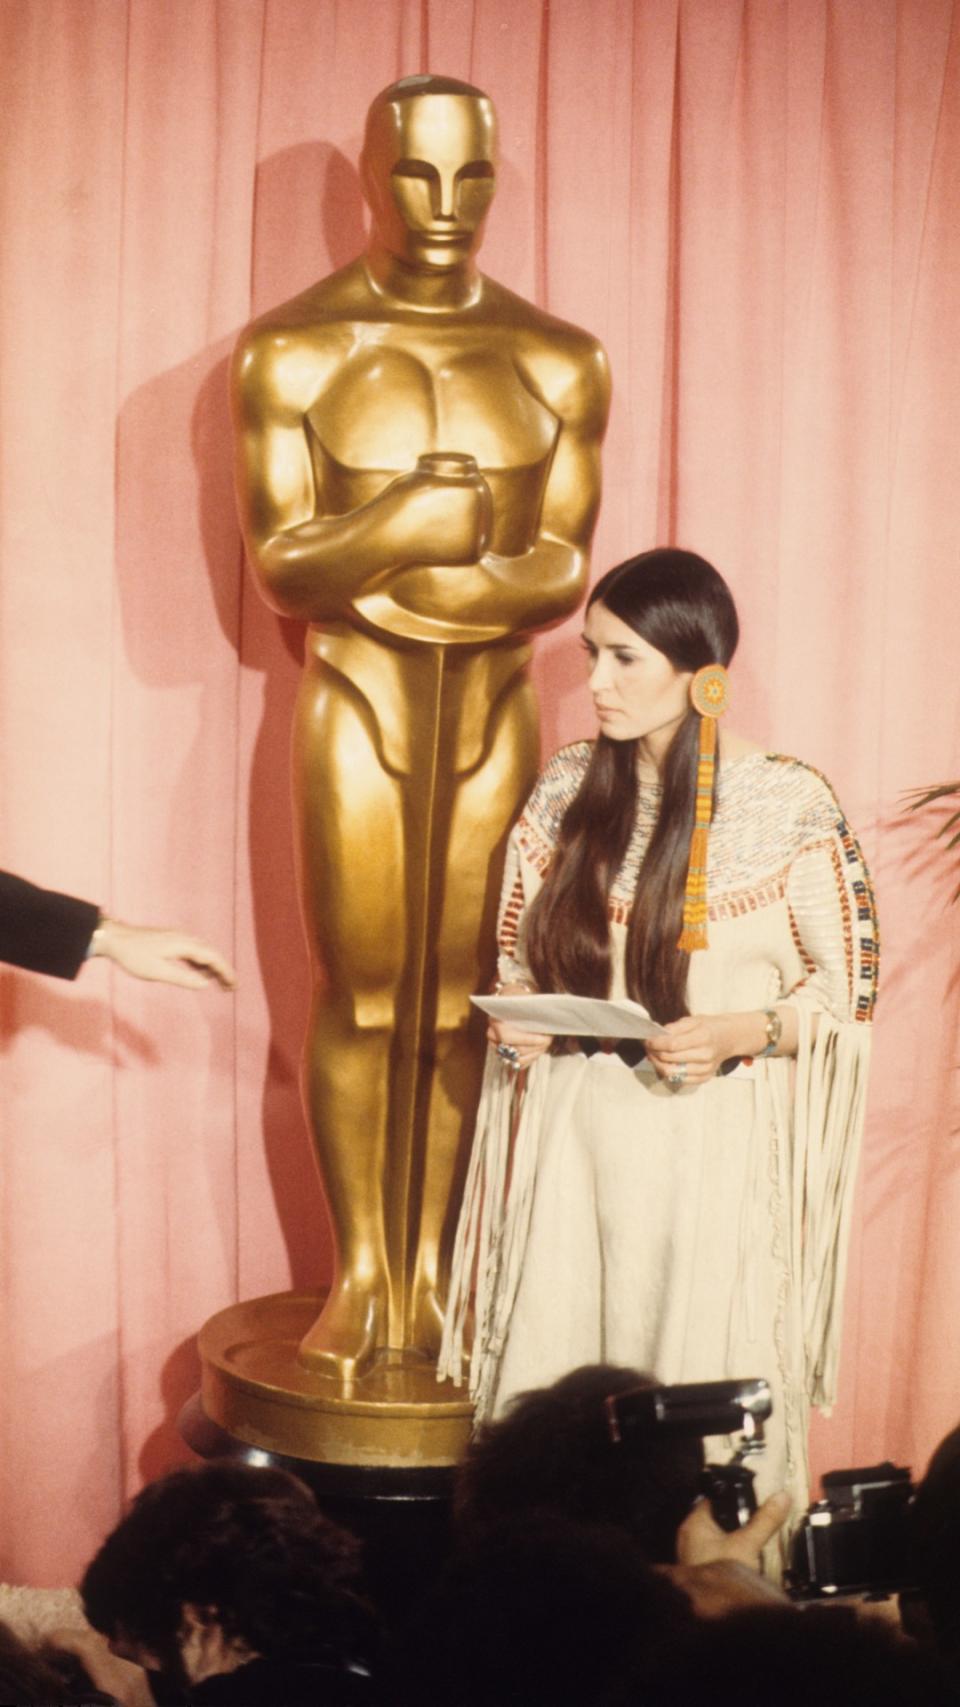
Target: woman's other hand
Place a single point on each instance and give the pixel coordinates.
(694, 1048)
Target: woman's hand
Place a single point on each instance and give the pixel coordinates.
(695, 1047)
(527, 1045)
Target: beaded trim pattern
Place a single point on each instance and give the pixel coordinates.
(789, 808)
(510, 920)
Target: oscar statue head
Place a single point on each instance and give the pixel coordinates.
(428, 169)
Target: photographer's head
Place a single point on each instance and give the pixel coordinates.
(553, 1452)
(216, 1566)
(935, 1547)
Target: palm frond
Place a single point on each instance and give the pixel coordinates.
(916, 798)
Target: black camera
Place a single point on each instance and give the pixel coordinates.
(703, 1408)
(856, 1539)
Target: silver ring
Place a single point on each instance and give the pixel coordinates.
(507, 1053)
(678, 1076)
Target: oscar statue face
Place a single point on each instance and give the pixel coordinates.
(429, 174)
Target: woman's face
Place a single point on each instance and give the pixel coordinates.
(637, 693)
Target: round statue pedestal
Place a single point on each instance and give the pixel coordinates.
(397, 1416)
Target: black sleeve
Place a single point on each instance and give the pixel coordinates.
(43, 931)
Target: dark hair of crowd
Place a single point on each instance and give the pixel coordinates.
(551, 1451)
(247, 1542)
(678, 603)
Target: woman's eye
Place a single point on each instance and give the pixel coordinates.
(624, 657)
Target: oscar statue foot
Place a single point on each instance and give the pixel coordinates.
(428, 1321)
(349, 1332)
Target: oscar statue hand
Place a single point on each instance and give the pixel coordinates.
(443, 511)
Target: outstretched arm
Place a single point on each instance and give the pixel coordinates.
(42, 930)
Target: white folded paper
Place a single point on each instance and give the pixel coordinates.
(572, 1016)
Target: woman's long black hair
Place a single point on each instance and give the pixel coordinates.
(678, 603)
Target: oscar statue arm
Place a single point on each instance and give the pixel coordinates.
(503, 593)
(310, 564)
(539, 587)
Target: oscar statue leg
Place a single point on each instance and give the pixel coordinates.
(487, 800)
(400, 870)
(352, 886)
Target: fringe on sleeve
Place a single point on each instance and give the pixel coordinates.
(494, 1223)
(820, 1131)
(834, 914)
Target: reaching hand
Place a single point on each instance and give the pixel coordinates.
(163, 956)
(719, 1571)
(701, 1541)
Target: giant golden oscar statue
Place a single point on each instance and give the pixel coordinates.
(418, 468)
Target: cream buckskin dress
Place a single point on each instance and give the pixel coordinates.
(698, 1234)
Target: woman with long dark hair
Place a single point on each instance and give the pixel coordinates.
(681, 1206)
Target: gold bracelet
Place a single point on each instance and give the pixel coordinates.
(774, 1030)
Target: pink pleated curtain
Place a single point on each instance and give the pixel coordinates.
(754, 203)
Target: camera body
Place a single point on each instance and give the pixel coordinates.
(730, 1491)
(855, 1540)
(703, 1408)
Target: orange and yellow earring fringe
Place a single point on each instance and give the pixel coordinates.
(708, 694)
